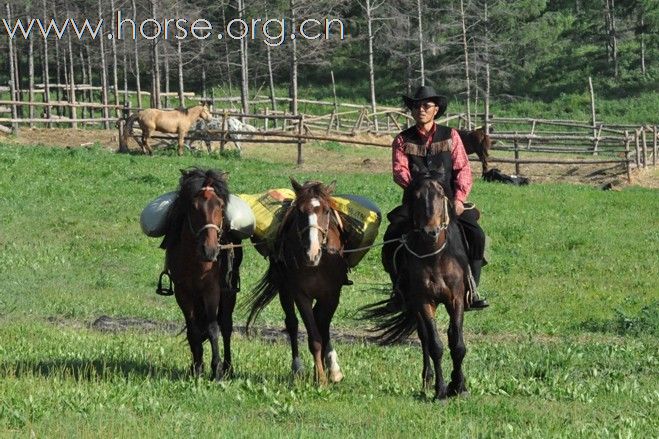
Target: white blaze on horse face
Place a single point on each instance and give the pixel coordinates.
(314, 241)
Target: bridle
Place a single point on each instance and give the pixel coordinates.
(206, 226)
(324, 232)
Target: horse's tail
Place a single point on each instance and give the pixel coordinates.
(263, 293)
(390, 326)
(128, 128)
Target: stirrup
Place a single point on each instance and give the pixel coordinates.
(160, 289)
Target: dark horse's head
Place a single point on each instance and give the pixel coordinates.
(202, 198)
(311, 217)
(428, 204)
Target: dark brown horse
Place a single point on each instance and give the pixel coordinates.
(192, 242)
(478, 142)
(307, 266)
(432, 264)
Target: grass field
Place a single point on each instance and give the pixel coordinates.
(569, 346)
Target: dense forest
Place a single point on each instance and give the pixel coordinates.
(507, 51)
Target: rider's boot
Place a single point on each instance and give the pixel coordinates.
(477, 302)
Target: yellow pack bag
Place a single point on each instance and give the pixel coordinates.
(361, 221)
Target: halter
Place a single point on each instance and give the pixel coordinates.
(198, 232)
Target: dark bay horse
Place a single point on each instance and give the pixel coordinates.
(477, 142)
(432, 266)
(192, 249)
(165, 121)
(307, 266)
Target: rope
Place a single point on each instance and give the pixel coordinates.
(358, 249)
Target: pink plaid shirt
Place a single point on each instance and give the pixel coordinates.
(461, 169)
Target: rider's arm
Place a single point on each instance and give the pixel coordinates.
(461, 169)
(400, 163)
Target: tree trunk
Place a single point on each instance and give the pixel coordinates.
(244, 68)
(227, 53)
(125, 72)
(104, 71)
(115, 64)
(466, 59)
(46, 72)
(155, 64)
(486, 110)
(179, 61)
(271, 80)
(293, 85)
(138, 82)
(371, 67)
(90, 75)
(165, 57)
(72, 81)
(12, 73)
(30, 70)
(420, 26)
(642, 41)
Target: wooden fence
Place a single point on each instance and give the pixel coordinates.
(527, 140)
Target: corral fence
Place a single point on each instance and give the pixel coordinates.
(519, 141)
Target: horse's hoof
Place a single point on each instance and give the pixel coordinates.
(297, 367)
(456, 390)
(335, 376)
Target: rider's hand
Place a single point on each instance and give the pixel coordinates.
(459, 207)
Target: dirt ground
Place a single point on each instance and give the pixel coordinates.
(330, 157)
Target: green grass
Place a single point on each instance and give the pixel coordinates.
(567, 348)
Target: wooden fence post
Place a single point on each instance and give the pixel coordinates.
(638, 149)
(627, 161)
(121, 124)
(645, 148)
(592, 113)
(223, 137)
(654, 145)
(14, 107)
(516, 156)
(300, 132)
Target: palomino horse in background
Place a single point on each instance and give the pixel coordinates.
(192, 249)
(432, 263)
(478, 142)
(165, 121)
(307, 266)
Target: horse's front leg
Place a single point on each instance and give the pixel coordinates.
(195, 340)
(145, 142)
(456, 343)
(427, 374)
(291, 323)
(435, 348)
(227, 305)
(314, 338)
(211, 308)
(323, 312)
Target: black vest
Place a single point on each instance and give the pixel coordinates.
(423, 160)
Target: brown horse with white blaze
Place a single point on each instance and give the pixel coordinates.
(165, 121)
(193, 254)
(308, 266)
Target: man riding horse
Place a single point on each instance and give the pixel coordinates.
(421, 149)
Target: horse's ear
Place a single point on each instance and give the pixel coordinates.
(331, 186)
(297, 187)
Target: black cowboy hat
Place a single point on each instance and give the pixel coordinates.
(427, 93)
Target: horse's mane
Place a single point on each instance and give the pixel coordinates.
(191, 182)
